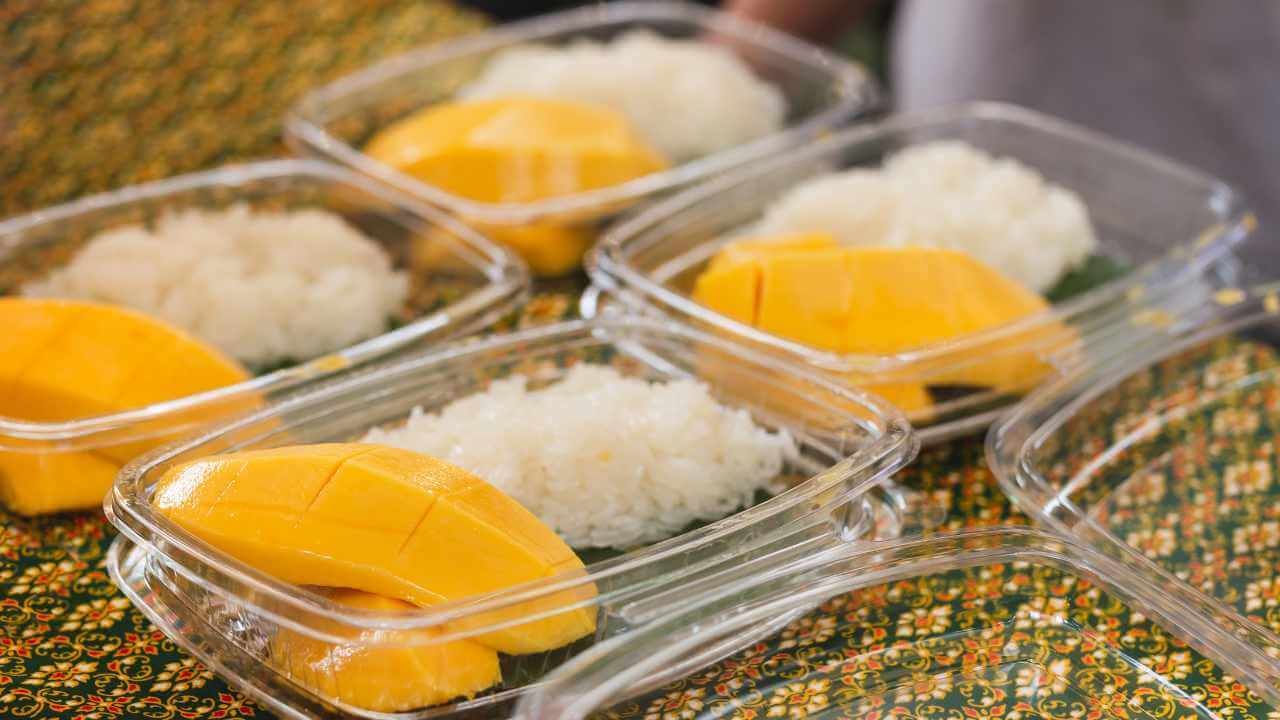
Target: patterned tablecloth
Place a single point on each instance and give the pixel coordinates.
(102, 93)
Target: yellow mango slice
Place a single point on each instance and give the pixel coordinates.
(806, 296)
(942, 295)
(385, 670)
(35, 483)
(882, 301)
(731, 289)
(908, 397)
(381, 520)
(519, 150)
(731, 284)
(30, 330)
(757, 249)
(912, 297)
(550, 249)
(70, 360)
(516, 149)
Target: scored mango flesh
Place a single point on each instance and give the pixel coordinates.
(68, 360)
(382, 520)
(880, 301)
(385, 670)
(520, 150)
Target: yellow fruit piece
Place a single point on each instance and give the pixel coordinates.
(806, 295)
(385, 670)
(550, 249)
(68, 360)
(756, 249)
(912, 297)
(922, 296)
(520, 150)
(381, 520)
(731, 284)
(35, 483)
(731, 289)
(882, 301)
(906, 396)
(516, 149)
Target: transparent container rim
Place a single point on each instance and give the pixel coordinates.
(1007, 449)
(126, 506)
(608, 670)
(858, 95)
(507, 278)
(1044, 412)
(607, 268)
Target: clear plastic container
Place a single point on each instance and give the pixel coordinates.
(227, 614)
(460, 282)
(981, 624)
(1168, 223)
(1161, 453)
(822, 90)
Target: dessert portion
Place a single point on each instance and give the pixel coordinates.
(542, 122)
(67, 360)
(940, 243)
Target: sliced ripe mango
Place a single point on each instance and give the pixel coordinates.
(550, 249)
(912, 297)
(756, 249)
(946, 294)
(381, 520)
(69, 360)
(731, 284)
(33, 483)
(908, 397)
(731, 289)
(518, 150)
(806, 295)
(387, 670)
(882, 301)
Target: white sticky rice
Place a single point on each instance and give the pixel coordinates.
(950, 195)
(687, 98)
(603, 459)
(263, 287)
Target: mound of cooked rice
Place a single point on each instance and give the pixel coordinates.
(605, 460)
(264, 287)
(687, 98)
(950, 195)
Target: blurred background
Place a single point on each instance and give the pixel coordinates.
(95, 94)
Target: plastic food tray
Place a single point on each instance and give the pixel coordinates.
(996, 623)
(1181, 487)
(459, 282)
(822, 90)
(1171, 224)
(226, 613)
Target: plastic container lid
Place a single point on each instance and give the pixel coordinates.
(468, 281)
(822, 90)
(1161, 454)
(1170, 224)
(995, 623)
(230, 615)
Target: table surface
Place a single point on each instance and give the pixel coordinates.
(102, 93)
